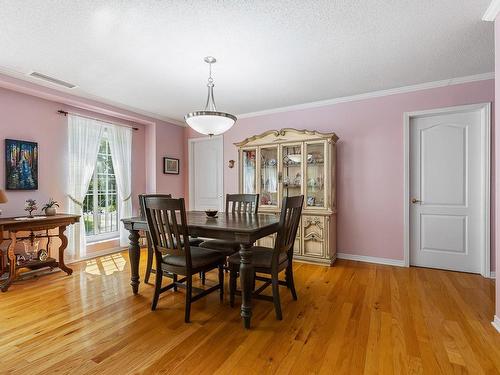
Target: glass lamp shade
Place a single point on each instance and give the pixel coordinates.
(210, 122)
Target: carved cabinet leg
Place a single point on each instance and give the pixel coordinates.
(134, 253)
(247, 281)
(12, 263)
(64, 244)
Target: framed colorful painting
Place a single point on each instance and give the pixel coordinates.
(21, 165)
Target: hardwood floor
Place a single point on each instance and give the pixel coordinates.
(352, 318)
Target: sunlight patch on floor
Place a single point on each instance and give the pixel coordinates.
(106, 265)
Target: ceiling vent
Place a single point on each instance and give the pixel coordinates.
(53, 80)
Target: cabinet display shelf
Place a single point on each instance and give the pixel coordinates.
(37, 264)
(292, 162)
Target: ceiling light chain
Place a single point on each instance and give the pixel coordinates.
(210, 106)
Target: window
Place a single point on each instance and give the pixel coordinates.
(100, 208)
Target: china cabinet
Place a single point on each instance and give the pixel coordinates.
(290, 162)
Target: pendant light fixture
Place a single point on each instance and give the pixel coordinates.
(210, 121)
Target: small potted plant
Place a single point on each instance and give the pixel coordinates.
(30, 207)
(50, 207)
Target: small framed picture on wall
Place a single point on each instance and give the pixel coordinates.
(170, 165)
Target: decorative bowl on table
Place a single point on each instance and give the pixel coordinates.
(211, 213)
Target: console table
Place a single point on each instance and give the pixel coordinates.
(12, 226)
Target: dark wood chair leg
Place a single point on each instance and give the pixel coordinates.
(202, 277)
(221, 282)
(149, 264)
(276, 296)
(290, 283)
(174, 278)
(232, 286)
(158, 280)
(189, 294)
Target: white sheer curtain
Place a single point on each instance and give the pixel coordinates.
(84, 137)
(120, 144)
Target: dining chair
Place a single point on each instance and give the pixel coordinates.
(149, 264)
(235, 204)
(166, 218)
(272, 261)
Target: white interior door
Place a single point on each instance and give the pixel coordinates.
(206, 173)
(447, 218)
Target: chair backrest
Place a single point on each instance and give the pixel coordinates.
(142, 206)
(242, 203)
(291, 210)
(168, 228)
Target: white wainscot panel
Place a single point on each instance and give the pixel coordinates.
(443, 165)
(443, 233)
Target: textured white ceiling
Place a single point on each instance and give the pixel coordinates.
(148, 54)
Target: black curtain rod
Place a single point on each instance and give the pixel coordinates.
(65, 113)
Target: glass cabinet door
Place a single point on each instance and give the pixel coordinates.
(249, 171)
(292, 170)
(315, 175)
(269, 176)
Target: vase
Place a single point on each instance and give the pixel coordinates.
(50, 211)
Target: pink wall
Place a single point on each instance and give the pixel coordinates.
(497, 159)
(169, 142)
(32, 118)
(370, 159)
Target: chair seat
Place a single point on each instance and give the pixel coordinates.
(200, 258)
(261, 257)
(195, 241)
(224, 247)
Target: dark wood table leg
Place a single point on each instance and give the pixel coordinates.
(134, 253)
(247, 281)
(12, 263)
(64, 244)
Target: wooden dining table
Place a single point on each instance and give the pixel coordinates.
(243, 228)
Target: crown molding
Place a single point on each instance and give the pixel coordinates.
(492, 11)
(16, 81)
(373, 94)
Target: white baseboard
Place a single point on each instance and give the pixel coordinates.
(377, 260)
(493, 275)
(496, 323)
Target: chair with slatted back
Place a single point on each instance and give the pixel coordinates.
(149, 264)
(167, 223)
(272, 261)
(235, 204)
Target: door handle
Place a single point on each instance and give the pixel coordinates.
(415, 200)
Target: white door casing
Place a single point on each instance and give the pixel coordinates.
(206, 173)
(447, 159)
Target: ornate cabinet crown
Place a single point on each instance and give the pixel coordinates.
(289, 162)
